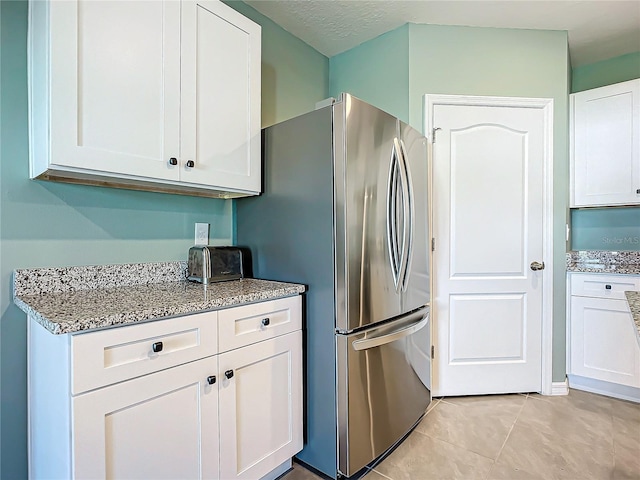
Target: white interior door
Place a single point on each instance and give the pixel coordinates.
(488, 223)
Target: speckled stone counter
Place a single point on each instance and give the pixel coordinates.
(74, 299)
(633, 298)
(599, 261)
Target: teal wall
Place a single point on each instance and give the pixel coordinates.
(614, 70)
(473, 61)
(376, 71)
(54, 224)
(612, 228)
(615, 228)
(294, 75)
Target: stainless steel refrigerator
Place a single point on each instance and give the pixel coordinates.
(345, 211)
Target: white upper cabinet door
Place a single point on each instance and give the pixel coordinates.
(605, 145)
(221, 52)
(115, 86)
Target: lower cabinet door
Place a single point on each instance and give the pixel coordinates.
(603, 341)
(160, 426)
(260, 406)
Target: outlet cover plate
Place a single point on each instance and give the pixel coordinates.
(202, 234)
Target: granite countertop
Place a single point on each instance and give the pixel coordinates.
(599, 261)
(75, 299)
(633, 298)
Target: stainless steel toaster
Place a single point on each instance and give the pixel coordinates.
(215, 264)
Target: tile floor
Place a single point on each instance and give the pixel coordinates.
(576, 437)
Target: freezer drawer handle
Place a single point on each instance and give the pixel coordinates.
(372, 342)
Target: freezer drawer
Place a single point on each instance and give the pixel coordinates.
(383, 387)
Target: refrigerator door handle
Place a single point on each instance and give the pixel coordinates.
(407, 213)
(372, 342)
(392, 221)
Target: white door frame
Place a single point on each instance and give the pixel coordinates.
(546, 105)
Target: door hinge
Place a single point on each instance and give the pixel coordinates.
(433, 244)
(433, 352)
(433, 134)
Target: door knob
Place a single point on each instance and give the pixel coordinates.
(537, 266)
(228, 374)
(211, 379)
(190, 164)
(173, 161)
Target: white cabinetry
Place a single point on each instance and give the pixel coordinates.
(160, 426)
(260, 407)
(156, 400)
(605, 145)
(604, 352)
(149, 95)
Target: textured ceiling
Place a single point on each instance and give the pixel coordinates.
(598, 29)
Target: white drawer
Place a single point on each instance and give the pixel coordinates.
(603, 286)
(110, 356)
(253, 323)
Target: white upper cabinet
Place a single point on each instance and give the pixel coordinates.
(605, 146)
(221, 104)
(159, 95)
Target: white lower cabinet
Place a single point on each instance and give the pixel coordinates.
(169, 399)
(260, 407)
(604, 352)
(604, 345)
(160, 426)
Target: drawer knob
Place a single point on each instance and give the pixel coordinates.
(173, 161)
(157, 347)
(228, 374)
(266, 321)
(608, 287)
(211, 379)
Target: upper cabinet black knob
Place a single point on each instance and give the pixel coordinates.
(266, 321)
(211, 379)
(173, 161)
(190, 163)
(157, 347)
(228, 374)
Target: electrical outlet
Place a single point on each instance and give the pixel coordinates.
(202, 234)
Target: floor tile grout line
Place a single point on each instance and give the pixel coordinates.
(436, 439)
(510, 430)
(380, 473)
(613, 443)
(379, 461)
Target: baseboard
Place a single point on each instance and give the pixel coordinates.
(560, 388)
(600, 387)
